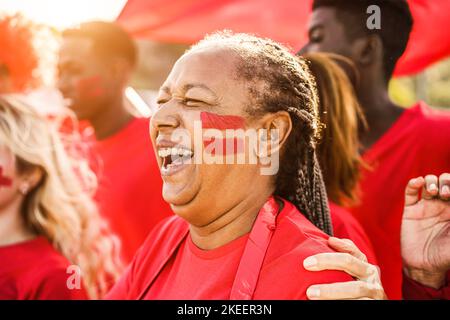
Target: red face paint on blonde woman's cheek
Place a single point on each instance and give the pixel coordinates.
(229, 146)
(4, 181)
(90, 87)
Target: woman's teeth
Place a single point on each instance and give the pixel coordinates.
(174, 152)
(174, 156)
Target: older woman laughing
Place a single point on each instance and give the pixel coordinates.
(237, 233)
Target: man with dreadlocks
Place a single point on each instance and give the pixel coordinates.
(237, 233)
(399, 144)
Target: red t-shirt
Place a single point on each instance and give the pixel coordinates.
(113, 198)
(345, 226)
(184, 276)
(416, 145)
(181, 271)
(130, 184)
(35, 270)
(413, 290)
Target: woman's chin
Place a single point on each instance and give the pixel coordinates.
(178, 196)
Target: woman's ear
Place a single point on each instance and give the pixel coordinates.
(278, 127)
(30, 180)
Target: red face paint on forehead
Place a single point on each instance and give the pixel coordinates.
(4, 181)
(215, 121)
(90, 87)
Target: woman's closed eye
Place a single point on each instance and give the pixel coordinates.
(189, 102)
(192, 102)
(162, 100)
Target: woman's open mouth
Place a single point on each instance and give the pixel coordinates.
(174, 159)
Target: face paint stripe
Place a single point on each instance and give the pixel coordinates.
(90, 86)
(220, 122)
(4, 181)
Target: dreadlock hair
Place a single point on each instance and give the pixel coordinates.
(396, 22)
(343, 118)
(279, 81)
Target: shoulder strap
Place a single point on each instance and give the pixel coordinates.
(255, 251)
(249, 266)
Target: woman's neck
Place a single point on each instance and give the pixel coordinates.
(234, 223)
(12, 225)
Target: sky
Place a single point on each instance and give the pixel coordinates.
(64, 13)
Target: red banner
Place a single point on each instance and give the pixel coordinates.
(187, 21)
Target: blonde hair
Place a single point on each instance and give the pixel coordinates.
(61, 206)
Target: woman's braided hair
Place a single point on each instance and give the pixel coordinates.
(277, 80)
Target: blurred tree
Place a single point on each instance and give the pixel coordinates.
(402, 91)
(155, 62)
(432, 86)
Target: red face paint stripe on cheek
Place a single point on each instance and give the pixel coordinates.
(90, 86)
(4, 181)
(215, 121)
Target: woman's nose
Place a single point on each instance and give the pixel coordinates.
(165, 118)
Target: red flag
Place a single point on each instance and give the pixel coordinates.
(187, 21)
(429, 41)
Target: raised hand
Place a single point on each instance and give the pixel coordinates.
(425, 232)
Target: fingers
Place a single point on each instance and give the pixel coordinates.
(346, 246)
(434, 187)
(413, 190)
(359, 290)
(342, 262)
(431, 189)
(444, 186)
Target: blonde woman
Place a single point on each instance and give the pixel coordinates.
(53, 243)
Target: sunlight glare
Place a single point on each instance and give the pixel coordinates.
(64, 13)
